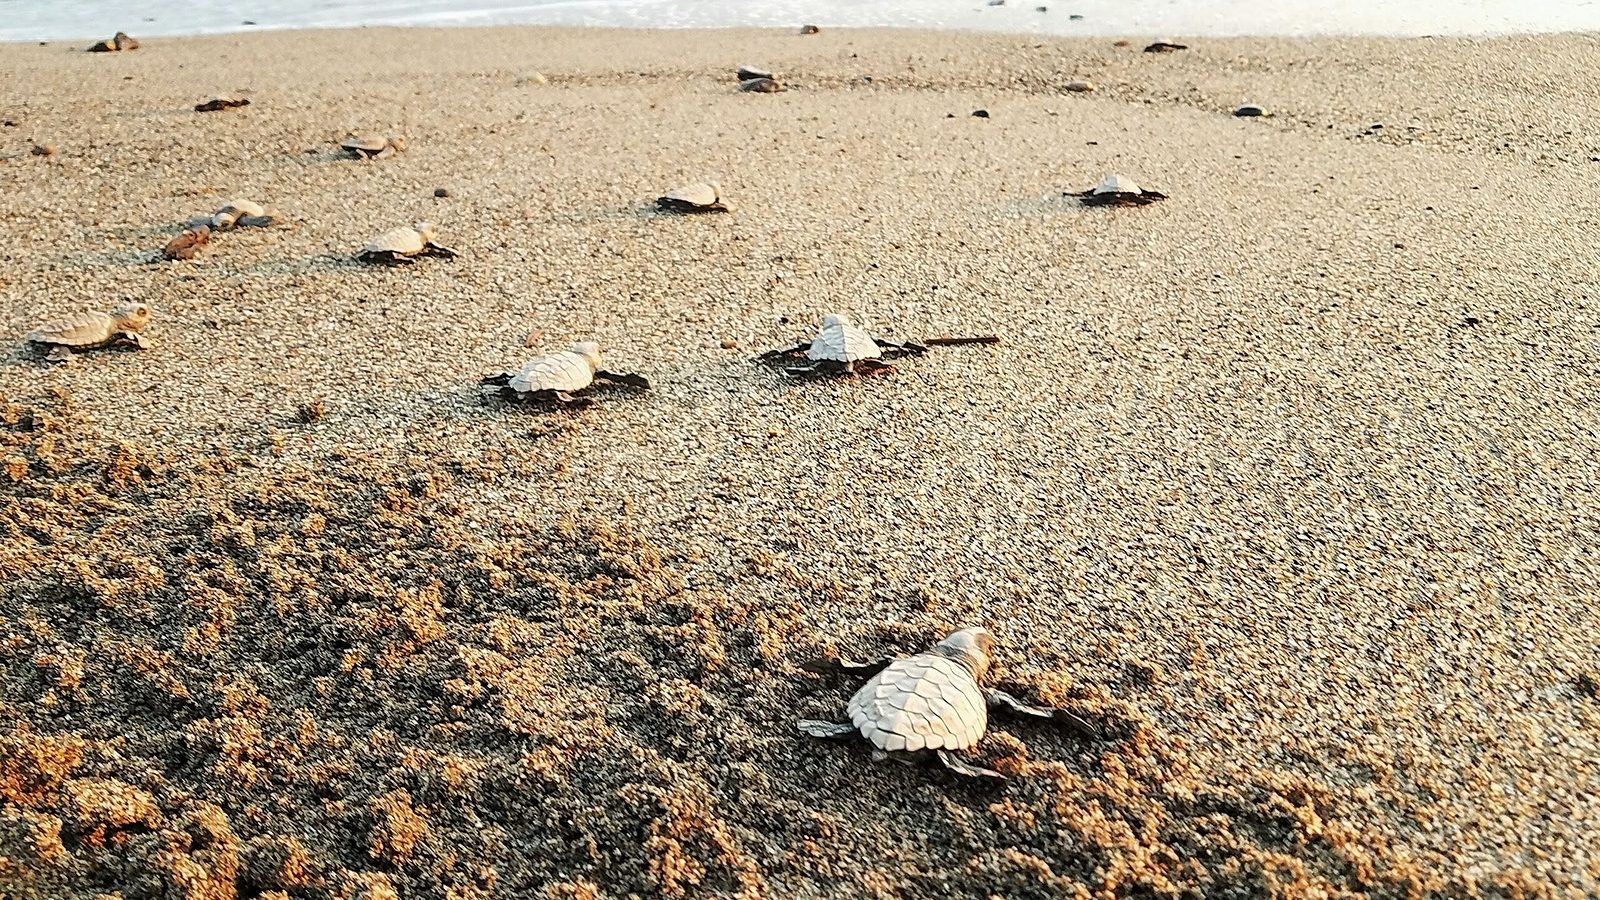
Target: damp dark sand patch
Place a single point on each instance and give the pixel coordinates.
(227, 679)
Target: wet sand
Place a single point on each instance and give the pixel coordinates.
(1285, 481)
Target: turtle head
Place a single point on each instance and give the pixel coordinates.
(427, 230)
(971, 647)
(398, 143)
(835, 320)
(589, 350)
(131, 316)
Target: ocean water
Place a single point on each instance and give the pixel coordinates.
(31, 20)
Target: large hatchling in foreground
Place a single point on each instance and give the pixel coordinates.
(401, 246)
(930, 704)
(89, 330)
(558, 377)
(841, 348)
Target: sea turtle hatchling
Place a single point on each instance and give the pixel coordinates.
(241, 214)
(400, 246)
(120, 42)
(371, 146)
(705, 197)
(1117, 190)
(558, 376)
(841, 348)
(91, 329)
(931, 703)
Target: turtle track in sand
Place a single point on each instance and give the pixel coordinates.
(229, 676)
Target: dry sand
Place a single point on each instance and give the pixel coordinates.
(1286, 481)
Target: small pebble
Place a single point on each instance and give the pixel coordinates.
(440, 192)
(1249, 111)
(730, 344)
(43, 150)
(1080, 86)
(1076, 17)
(1041, 9)
(809, 29)
(1122, 43)
(981, 113)
(997, 2)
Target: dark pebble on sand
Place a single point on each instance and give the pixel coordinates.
(981, 113)
(440, 192)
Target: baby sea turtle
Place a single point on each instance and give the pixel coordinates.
(88, 330)
(931, 703)
(557, 376)
(371, 146)
(745, 73)
(121, 42)
(1164, 47)
(809, 29)
(400, 246)
(841, 348)
(706, 197)
(242, 214)
(1117, 190)
(221, 103)
(188, 243)
(761, 86)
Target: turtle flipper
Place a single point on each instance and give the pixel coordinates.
(500, 380)
(962, 341)
(786, 353)
(432, 249)
(59, 354)
(1003, 699)
(892, 350)
(961, 767)
(624, 378)
(870, 367)
(834, 665)
(826, 730)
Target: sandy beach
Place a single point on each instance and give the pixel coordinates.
(1286, 482)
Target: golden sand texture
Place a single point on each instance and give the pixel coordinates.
(1285, 480)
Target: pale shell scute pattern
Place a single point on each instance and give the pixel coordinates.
(695, 195)
(563, 371)
(405, 240)
(924, 702)
(1116, 184)
(842, 342)
(369, 142)
(80, 330)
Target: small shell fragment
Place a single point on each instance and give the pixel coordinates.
(1080, 86)
(188, 243)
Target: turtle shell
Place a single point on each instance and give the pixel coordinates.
(705, 196)
(365, 143)
(403, 241)
(923, 702)
(568, 370)
(91, 328)
(230, 214)
(840, 341)
(1116, 184)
